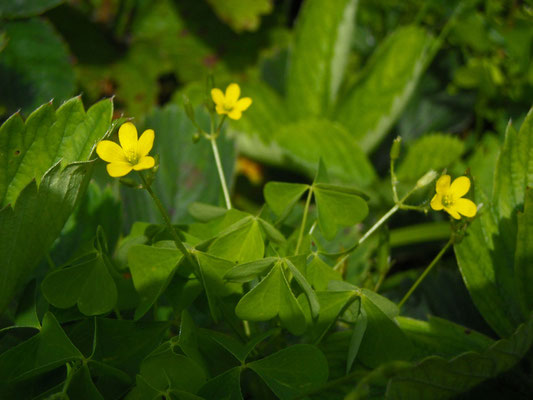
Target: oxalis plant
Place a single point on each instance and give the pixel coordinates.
(239, 305)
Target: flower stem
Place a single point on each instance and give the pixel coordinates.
(426, 272)
(304, 220)
(220, 172)
(166, 217)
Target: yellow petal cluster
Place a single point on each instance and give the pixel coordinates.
(449, 197)
(132, 154)
(229, 103)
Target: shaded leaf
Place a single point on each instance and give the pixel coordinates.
(376, 101)
(293, 370)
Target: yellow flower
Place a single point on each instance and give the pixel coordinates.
(131, 154)
(230, 103)
(449, 197)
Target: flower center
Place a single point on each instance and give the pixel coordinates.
(228, 106)
(132, 157)
(447, 200)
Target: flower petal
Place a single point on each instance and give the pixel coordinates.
(145, 144)
(233, 91)
(110, 151)
(220, 109)
(460, 186)
(465, 207)
(127, 135)
(217, 96)
(443, 184)
(235, 114)
(146, 162)
(436, 202)
(243, 103)
(453, 212)
(118, 169)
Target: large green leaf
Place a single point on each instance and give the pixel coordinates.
(293, 370)
(26, 8)
(28, 230)
(322, 40)
(89, 285)
(486, 255)
(152, 269)
(40, 210)
(187, 171)
(337, 208)
(241, 242)
(282, 196)
(378, 98)
(523, 260)
(437, 378)
(47, 350)
(34, 71)
(305, 142)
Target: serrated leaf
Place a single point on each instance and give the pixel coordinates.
(282, 196)
(484, 254)
(152, 269)
(33, 72)
(434, 151)
(376, 101)
(322, 39)
(523, 258)
(28, 230)
(441, 337)
(293, 370)
(438, 378)
(338, 209)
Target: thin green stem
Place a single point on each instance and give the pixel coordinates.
(221, 172)
(426, 272)
(304, 220)
(166, 217)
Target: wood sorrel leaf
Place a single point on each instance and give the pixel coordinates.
(224, 386)
(293, 370)
(281, 196)
(338, 208)
(89, 285)
(152, 269)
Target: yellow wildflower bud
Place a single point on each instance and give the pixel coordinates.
(449, 197)
(132, 154)
(229, 103)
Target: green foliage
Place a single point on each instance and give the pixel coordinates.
(22, 84)
(379, 96)
(486, 255)
(265, 257)
(30, 149)
(26, 8)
